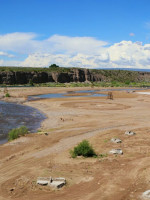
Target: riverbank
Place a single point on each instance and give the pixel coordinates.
(69, 121)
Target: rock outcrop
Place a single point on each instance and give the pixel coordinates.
(72, 75)
(21, 77)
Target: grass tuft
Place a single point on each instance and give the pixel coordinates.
(17, 132)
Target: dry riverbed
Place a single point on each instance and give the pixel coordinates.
(69, 121)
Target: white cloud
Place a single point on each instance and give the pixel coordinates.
(1, 62)
(9, 63)
(73, 51)
(76, 44)
(6, 54)
(27, 43)
(18, 42)
(78, 60)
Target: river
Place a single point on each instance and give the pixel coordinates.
(14, 115)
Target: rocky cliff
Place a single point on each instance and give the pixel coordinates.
(11, 77)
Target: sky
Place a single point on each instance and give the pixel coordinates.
(75, 33)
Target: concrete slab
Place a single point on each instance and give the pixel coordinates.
(116, 140)
(58, 182)
(52, 182)
(146, 194)
(129, 133)
(44, 180)
(116, 151)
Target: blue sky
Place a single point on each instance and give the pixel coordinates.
(75, 33)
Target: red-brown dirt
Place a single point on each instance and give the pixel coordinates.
(69, 121)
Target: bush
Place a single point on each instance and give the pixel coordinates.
(7, 95)
(17, 132)
(83, 149)
(127, 82)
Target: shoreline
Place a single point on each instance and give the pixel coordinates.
(24, 112)
(37, 104)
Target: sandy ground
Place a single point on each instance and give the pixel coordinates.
(69, 121)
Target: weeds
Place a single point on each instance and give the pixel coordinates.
(17, 132)
(102, 155)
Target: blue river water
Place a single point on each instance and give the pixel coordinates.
(14, 115)
(85, 93)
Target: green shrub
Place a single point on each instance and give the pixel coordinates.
(127, 82)
(7, 95)
(17, 132)
(83, 149)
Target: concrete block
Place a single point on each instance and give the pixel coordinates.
(58, 182)
(44, 180)
(129, 133)
(116, 151)
(116, 140)
(146, 194)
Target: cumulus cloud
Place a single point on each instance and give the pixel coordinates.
(40, 60)
(129, 54)
(73, 51)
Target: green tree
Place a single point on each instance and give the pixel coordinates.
(53, 66)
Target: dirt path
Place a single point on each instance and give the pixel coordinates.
(70, 142)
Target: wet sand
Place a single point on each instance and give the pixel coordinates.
(69, 121)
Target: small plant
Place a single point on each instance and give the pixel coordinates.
(83, 149)
(127, 82)
(17, 132)
(7, 95)
(106, 140)
(103, 155)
